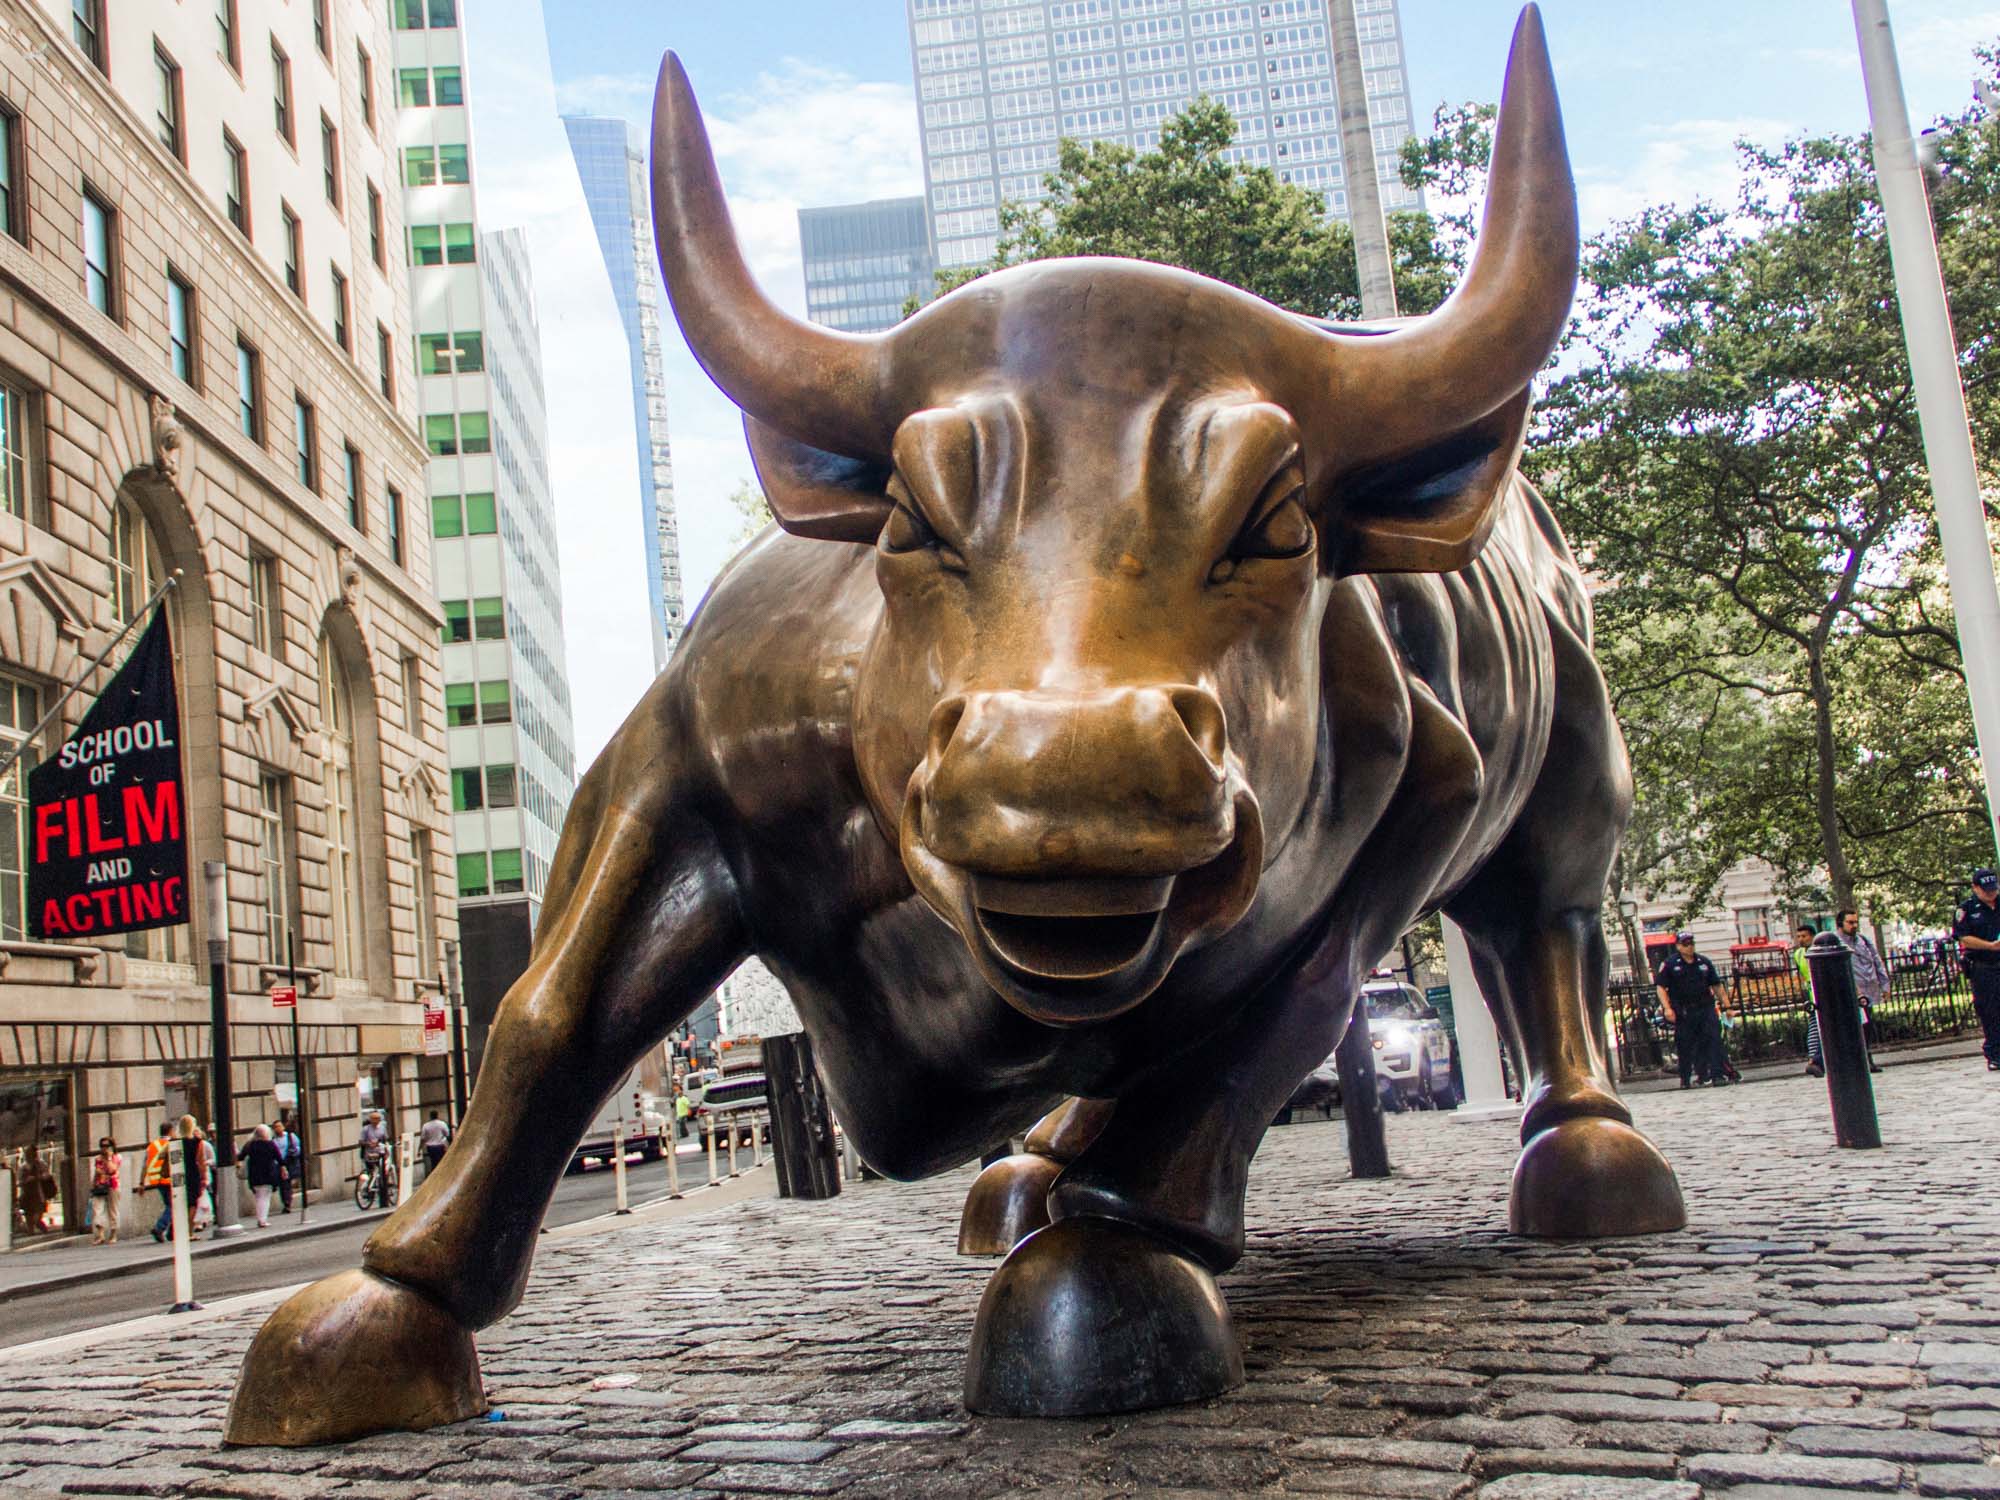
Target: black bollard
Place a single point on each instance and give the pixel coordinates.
(802, 1146)
(1361, 1098)
(1848, 1086)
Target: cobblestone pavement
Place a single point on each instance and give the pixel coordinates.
(1830, 1325)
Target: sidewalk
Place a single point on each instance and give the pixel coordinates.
(1828, 1325)
(74, 1261)
(1793, 1067)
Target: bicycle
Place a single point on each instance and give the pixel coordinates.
(377, 1181)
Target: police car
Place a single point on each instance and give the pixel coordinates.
(1412, 1055)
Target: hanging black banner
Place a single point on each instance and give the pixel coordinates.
(107, 843)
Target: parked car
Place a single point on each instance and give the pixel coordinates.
(1412, 1055)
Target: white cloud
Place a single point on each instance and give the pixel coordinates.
(1676, 163)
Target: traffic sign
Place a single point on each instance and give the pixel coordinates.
(436, 1042)
(284, 996)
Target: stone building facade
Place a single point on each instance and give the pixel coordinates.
(204, 336)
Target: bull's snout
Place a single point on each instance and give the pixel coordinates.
(1117, 783)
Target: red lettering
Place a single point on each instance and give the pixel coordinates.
(48, 828)
(157, 823)
(77, 909)
(171, 893)
(104, 899)
(149, 901)
(94, 831)
(75, 839)
(52, 920)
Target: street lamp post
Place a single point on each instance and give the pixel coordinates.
(1968, 553)
(215, 877)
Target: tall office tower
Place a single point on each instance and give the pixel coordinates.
(1000, 81)
(613, 169)
(204, 327)
(479, 387)
(863, 261)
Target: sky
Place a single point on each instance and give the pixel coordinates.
(813, 104)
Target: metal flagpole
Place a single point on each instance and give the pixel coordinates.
(1968, 556)
(298, 1072)
(20, 748)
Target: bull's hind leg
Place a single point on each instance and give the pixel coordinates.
(641, 923)
(1532, 917)
(1010, 1199)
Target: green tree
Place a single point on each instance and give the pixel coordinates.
(1186, 204)
(748, 502)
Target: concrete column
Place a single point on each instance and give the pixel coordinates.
(1478, 1038)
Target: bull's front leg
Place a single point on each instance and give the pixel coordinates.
(1010, 1199)
(642, 923)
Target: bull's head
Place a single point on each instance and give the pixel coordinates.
(1108, 501)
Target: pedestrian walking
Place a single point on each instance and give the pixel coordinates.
(195, 1158)
(157, 1177)
(292, 1154)
(1978, 932)
(1802, 939)
(375, 1150)
(1871, 975)
(265, 1168)
(1691, 997)
(683, 1112)
(104, 1168)
(434, 1136)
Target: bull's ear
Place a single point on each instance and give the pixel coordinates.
(1428, 511)
(818, 494)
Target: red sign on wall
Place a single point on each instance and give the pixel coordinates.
(285, 997)
(437, 1041)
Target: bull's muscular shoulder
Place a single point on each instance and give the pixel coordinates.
(765, 676)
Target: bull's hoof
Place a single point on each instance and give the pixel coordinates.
(1009, 1201)
(1089, 1316)
(350, 1355)
(1593, 1178)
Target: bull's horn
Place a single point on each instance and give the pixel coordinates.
(1403, 391)
(816, 385)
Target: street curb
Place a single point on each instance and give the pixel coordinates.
(1948, 1050)
(248, 1240)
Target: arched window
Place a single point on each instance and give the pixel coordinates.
(137, 570)
(343, 863)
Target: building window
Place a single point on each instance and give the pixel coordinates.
(228, 39)
(413, 692)
(329, 157)
(376, 251)
(137, 568)
(266, 620)
(413, 87)
(13, 173)
(489, 619)
(447, 86)
(14, 466)
(454, 164)
(461, 704)
(474, 433)
(100, 254)
(496, 703)
(86, 24)
(459, 249)
(426, 901)
(367, 85)
(322, 33)
(343, 334)
(500, 786)
(343, 866)
(507, 872)
(167, 110)
(426, 245)
(249, 391)
(457, 621)
(1753, 924)
(419, 166)
(441, 435)
(294, 251)
(472, 879)
(415, 15)
(482, 517)
(385, 357)
(181, 327)
(448, 353)
(447, 515)
(305, 422)
(466, 790)
(20, 711)
(395, 521)
(238, 192)
(275, 865)
(350, 478)
(281, 94)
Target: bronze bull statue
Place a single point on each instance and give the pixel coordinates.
(1135, 663)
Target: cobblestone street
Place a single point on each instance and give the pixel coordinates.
(1829, 1325)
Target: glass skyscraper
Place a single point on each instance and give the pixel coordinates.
(613, 169)
(863, 261)
(999, 82)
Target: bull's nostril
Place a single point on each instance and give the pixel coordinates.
(1201, 712)
(945, 720)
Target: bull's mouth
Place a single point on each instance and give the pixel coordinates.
(1075, 950)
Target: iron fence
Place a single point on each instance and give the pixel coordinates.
(1928, 999)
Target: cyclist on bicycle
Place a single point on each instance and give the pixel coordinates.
(375, 1155)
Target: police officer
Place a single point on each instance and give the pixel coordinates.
(1978, 932)
(1690, 990)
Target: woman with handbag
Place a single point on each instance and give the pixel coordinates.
(104, 1169)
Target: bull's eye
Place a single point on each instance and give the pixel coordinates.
(907, 531)
(1279, 531)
